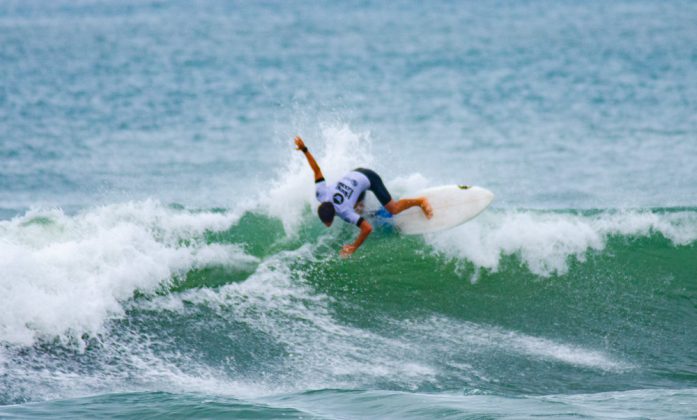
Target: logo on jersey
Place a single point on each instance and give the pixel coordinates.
(338, 199)
(344, 189)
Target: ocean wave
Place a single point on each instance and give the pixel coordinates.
(163, 297)
(100, 257)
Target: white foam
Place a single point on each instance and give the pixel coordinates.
(566, 353)
(545, 241)
(63, 276)
(454, 334)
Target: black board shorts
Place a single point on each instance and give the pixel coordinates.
(376, 186)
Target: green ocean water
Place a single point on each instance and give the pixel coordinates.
(280, 326)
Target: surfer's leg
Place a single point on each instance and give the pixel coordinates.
(396, 207)
(376, 186)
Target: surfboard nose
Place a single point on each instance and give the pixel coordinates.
(485, 196)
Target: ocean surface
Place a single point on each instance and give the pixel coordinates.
(160, 257)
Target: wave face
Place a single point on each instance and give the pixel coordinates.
(142, 296)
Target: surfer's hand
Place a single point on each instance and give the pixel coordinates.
(347, 250)
(299, 143)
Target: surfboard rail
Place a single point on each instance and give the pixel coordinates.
(452, 206)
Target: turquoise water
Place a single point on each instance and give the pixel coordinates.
(158, 250)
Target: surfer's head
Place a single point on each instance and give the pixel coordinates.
(326, 213)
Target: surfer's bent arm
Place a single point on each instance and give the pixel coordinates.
(366, 229)
(310, 159)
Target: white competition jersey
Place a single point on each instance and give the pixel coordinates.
(344, 194)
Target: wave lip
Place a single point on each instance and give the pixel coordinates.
(545, 241)
(64, 276)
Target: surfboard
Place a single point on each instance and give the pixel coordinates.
(452, 206)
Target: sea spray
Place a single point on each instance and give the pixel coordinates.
(337, 151)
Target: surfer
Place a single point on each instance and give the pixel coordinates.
(346, 196)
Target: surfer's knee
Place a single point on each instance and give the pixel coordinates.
(392, 207)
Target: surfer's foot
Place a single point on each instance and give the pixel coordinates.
(426, 208)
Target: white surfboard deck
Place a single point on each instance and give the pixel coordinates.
(452, 205)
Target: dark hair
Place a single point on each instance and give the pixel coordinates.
(326, 212)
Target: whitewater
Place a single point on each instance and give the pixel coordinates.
(160, 253)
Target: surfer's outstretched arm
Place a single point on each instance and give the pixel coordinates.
(366, 229)
(310, 159)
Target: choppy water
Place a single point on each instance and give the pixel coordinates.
(159, 256)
